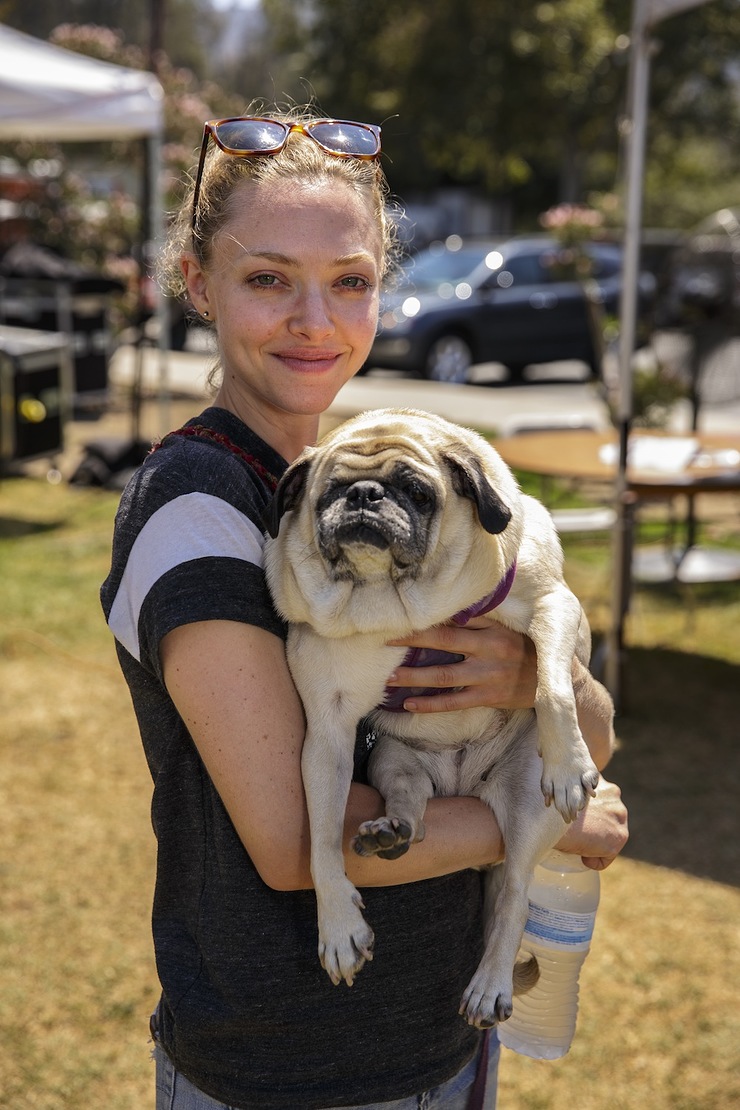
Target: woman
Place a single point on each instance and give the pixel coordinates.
(281, 246)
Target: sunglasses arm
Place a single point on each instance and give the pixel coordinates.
(199, 175)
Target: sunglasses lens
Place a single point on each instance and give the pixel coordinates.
(251, 135)
(346, 138)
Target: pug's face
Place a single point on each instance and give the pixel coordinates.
(392, 498)
(377, 518)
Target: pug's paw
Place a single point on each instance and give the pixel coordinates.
(486, 1002)
(569, 786)
(388, 838)
(345, 941)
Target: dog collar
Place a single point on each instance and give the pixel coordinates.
(430, 657)
(492, 601)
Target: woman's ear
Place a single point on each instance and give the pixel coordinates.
(196, 282)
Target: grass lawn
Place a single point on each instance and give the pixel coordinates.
(659, 1022)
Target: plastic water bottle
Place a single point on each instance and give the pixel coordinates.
(563, 898)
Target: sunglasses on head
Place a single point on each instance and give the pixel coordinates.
(250, 136)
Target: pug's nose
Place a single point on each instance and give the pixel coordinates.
(360, 495)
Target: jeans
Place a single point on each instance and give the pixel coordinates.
(175, 1092)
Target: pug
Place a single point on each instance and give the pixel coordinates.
(397, 521)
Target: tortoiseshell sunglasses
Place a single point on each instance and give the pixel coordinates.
(245, 136)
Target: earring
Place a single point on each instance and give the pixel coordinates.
(205, 313)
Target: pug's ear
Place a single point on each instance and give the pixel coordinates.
(288, 495)
(469, 480)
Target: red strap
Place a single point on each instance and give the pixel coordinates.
(478, 1090)
(202, 432)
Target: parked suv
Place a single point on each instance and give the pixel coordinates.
(512, 301)
(704, 276)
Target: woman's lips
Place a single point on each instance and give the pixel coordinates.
(308, 360)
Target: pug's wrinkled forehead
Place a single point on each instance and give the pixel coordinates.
(380, 455)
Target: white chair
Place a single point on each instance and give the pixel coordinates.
(596, 519)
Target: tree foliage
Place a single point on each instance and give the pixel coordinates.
(188, 25)
(512, 98)
(515, 101)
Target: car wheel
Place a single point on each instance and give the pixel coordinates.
(449, 359)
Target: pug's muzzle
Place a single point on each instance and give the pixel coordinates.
(387, 515)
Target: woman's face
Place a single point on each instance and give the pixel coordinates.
(292, 288)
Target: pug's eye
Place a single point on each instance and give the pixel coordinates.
(417, 493)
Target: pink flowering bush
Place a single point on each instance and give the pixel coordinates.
(572, 225)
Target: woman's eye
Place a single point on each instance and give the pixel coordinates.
(264, 281)
(355, 282)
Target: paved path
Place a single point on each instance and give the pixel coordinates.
(490, 407)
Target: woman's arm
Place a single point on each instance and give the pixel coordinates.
(500, 671)
(231, 685)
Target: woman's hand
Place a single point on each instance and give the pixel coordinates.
(499, 669)
(600, 831)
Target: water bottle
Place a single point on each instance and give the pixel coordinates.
(563, 898)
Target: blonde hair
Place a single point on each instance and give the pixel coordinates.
(300, 160)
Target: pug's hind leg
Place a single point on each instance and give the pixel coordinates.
(529, 829)
(397, 772)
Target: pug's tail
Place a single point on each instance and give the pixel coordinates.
(526, 975)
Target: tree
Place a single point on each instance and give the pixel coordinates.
(490, 93)
(189, 25)
(514, 99)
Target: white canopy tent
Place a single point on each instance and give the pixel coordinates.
(51, 94)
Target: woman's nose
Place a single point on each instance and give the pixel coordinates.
(311, 315)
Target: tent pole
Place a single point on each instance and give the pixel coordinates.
(645, 15)
(156, 242)
(638, 81)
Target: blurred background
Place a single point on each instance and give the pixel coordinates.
(493, 112)
(505, 128)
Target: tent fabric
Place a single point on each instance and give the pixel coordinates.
(49, 93)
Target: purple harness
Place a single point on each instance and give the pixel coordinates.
(429, 657)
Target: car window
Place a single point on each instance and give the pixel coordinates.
(605, 263)
(560, 264)
(525, 269)
(430, 268)
(521, 269)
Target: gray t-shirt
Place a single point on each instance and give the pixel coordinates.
(247, 1013)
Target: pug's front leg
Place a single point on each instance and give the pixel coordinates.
(335, 697)
(345, 938)
(569, 774)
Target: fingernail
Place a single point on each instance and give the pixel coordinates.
(392, 677)
(410, 706)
